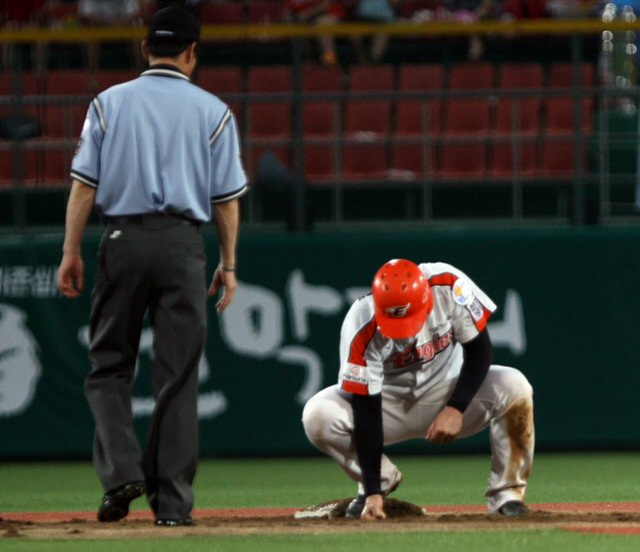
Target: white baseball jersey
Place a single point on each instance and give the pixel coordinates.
(368, 359)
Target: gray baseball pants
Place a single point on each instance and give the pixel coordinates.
(156, 265)
(504, 402)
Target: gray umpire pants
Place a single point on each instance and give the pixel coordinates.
(153, 264)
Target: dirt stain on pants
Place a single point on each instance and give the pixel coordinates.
(520, 429)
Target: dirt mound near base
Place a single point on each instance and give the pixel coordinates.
(334, 509)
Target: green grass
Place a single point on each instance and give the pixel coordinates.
(293, 482)
(529, 541)
(299, 482)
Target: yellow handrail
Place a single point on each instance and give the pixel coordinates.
(282, 31)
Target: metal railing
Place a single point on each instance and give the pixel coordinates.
(574, 187)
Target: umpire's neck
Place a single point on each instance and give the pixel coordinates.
(185, 61)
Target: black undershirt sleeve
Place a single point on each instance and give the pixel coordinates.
(367, 419)
(478, 356)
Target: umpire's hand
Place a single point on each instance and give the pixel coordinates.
(71, 275)
(226, 280)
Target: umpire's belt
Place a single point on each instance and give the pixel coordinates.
(139, 219)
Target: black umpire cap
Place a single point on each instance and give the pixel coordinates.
(173, 26)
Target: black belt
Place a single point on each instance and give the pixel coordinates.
(139, 219)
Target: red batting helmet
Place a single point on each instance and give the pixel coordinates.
(402, 298)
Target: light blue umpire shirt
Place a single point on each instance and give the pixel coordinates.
(160, 144)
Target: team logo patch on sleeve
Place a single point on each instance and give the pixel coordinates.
(462, 292)
(355, 379)
(476, 310)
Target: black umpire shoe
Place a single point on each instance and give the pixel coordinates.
(174, 522)
(355, 507)
(513, 508)
(115, 504)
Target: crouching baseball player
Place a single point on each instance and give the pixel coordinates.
(416, 362)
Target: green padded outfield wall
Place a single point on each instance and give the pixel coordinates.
(568, 318)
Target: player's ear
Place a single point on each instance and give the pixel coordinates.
(145, 50)
(193, 50)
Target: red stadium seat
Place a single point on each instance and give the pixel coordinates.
(415, 116)
(368, 122)
(321, 120)
(517, 116)
(557, 157)
(467, 120)
(479, 75)
(223, 82)
(64, 118)
(219, 80)
(219, 13)
(270, 79)
(416, 119)
(562, 75)
(56, 164)
(64, 121)
(322, 79)
(321, 117)
(466, 160)
(421, 77)
(467, 116)
(67, 81)
(269, 120)
(319, 163)
(521, 75)
(28, 84)
(270, 117)
(412, 161)
(265, 12)
(371, 77)
(107, 78)
(520, 115)
(364, 162)
(509, 159)
(560, 114)
(8, 163)
(368, 118)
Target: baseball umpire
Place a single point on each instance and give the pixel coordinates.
(416, 362)
(156, 156)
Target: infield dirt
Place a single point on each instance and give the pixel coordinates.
(614, 518)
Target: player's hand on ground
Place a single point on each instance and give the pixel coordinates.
(71, 275)
(228, 282)
(446, 427)
(373, 508)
